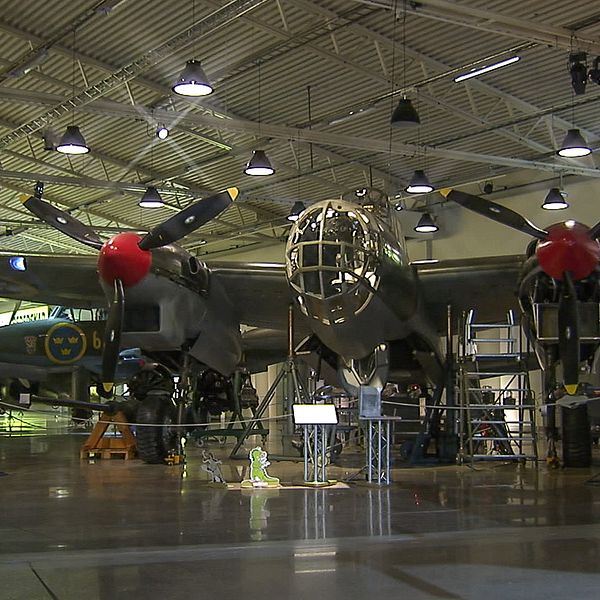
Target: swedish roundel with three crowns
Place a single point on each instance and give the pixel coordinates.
(65, 343)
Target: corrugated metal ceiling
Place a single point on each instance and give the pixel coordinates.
(349, 54)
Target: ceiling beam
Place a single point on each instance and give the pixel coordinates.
(487, 20)
(439, 66)
(202, 27)
(342, 141)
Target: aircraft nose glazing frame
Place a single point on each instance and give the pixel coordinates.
(331, 261)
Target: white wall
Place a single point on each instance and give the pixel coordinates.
(465, 234)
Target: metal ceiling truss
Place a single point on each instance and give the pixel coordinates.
(208, 24)
(494, 22)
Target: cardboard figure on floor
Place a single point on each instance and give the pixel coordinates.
(259, 478)
(211, 466)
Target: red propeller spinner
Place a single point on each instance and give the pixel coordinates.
(568, 247)
(122, 258)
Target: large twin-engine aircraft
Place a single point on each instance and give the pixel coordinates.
(347, 271)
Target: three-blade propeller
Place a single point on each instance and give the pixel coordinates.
(568, 317)
(173, 229)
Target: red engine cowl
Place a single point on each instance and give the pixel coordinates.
(568, 248)
(122, 258)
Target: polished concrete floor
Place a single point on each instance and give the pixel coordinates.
(114, 529)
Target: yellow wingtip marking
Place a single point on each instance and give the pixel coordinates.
(571, 388)
(24, 197)
(233, 192)
(445, 191)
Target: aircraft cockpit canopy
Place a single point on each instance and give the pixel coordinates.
(331, 260)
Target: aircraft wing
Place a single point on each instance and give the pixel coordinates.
(62, 279)
(488, 285)
(259, 292)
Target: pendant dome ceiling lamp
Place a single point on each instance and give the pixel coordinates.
(574, 145)
(405, 114)
(419, 183)
(426, 224)
(151, 197)
(72, 140)
(192, 81)
(297, 209)
(259, 163)
(555, 200)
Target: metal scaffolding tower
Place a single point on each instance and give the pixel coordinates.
(498, 418)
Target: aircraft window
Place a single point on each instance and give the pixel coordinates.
(332, 255)
(60, 312)
(293, 259)
(310, 255)
(312, 283)
(193, 265)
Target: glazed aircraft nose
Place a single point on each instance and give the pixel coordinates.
(331, 260)
(122, 258)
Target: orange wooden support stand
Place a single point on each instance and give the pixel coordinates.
(109, 447)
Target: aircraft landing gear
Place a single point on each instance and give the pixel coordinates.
(156, 436)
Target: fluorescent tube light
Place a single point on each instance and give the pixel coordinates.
(476, 72)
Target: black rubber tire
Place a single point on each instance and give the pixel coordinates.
(155, 443)
(577, 437)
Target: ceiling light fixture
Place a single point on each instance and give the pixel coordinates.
(72, 141)
(296, 210)
(487, 69)
(192, 81)
(419, 184)
(426, 224)
(162, 132)
(259, 164)
(151, 198)
(405, 114)
(555, 200)
(574, 145)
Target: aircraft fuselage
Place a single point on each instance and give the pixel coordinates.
(348, 267)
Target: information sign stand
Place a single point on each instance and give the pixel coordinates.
(316, 421)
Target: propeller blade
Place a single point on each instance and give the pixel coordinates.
(112, 337)
(61, 220)
(568, 334)
(188, 220)
(496, 212)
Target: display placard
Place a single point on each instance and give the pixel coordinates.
(315, 414)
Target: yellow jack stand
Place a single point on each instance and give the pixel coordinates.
(108, 447)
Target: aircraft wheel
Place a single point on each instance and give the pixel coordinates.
(159, 437)
(577, 439)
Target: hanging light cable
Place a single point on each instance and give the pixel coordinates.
(192, 81)
(405, 114)
(151, 197)
(72, 140)
(259, 163)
